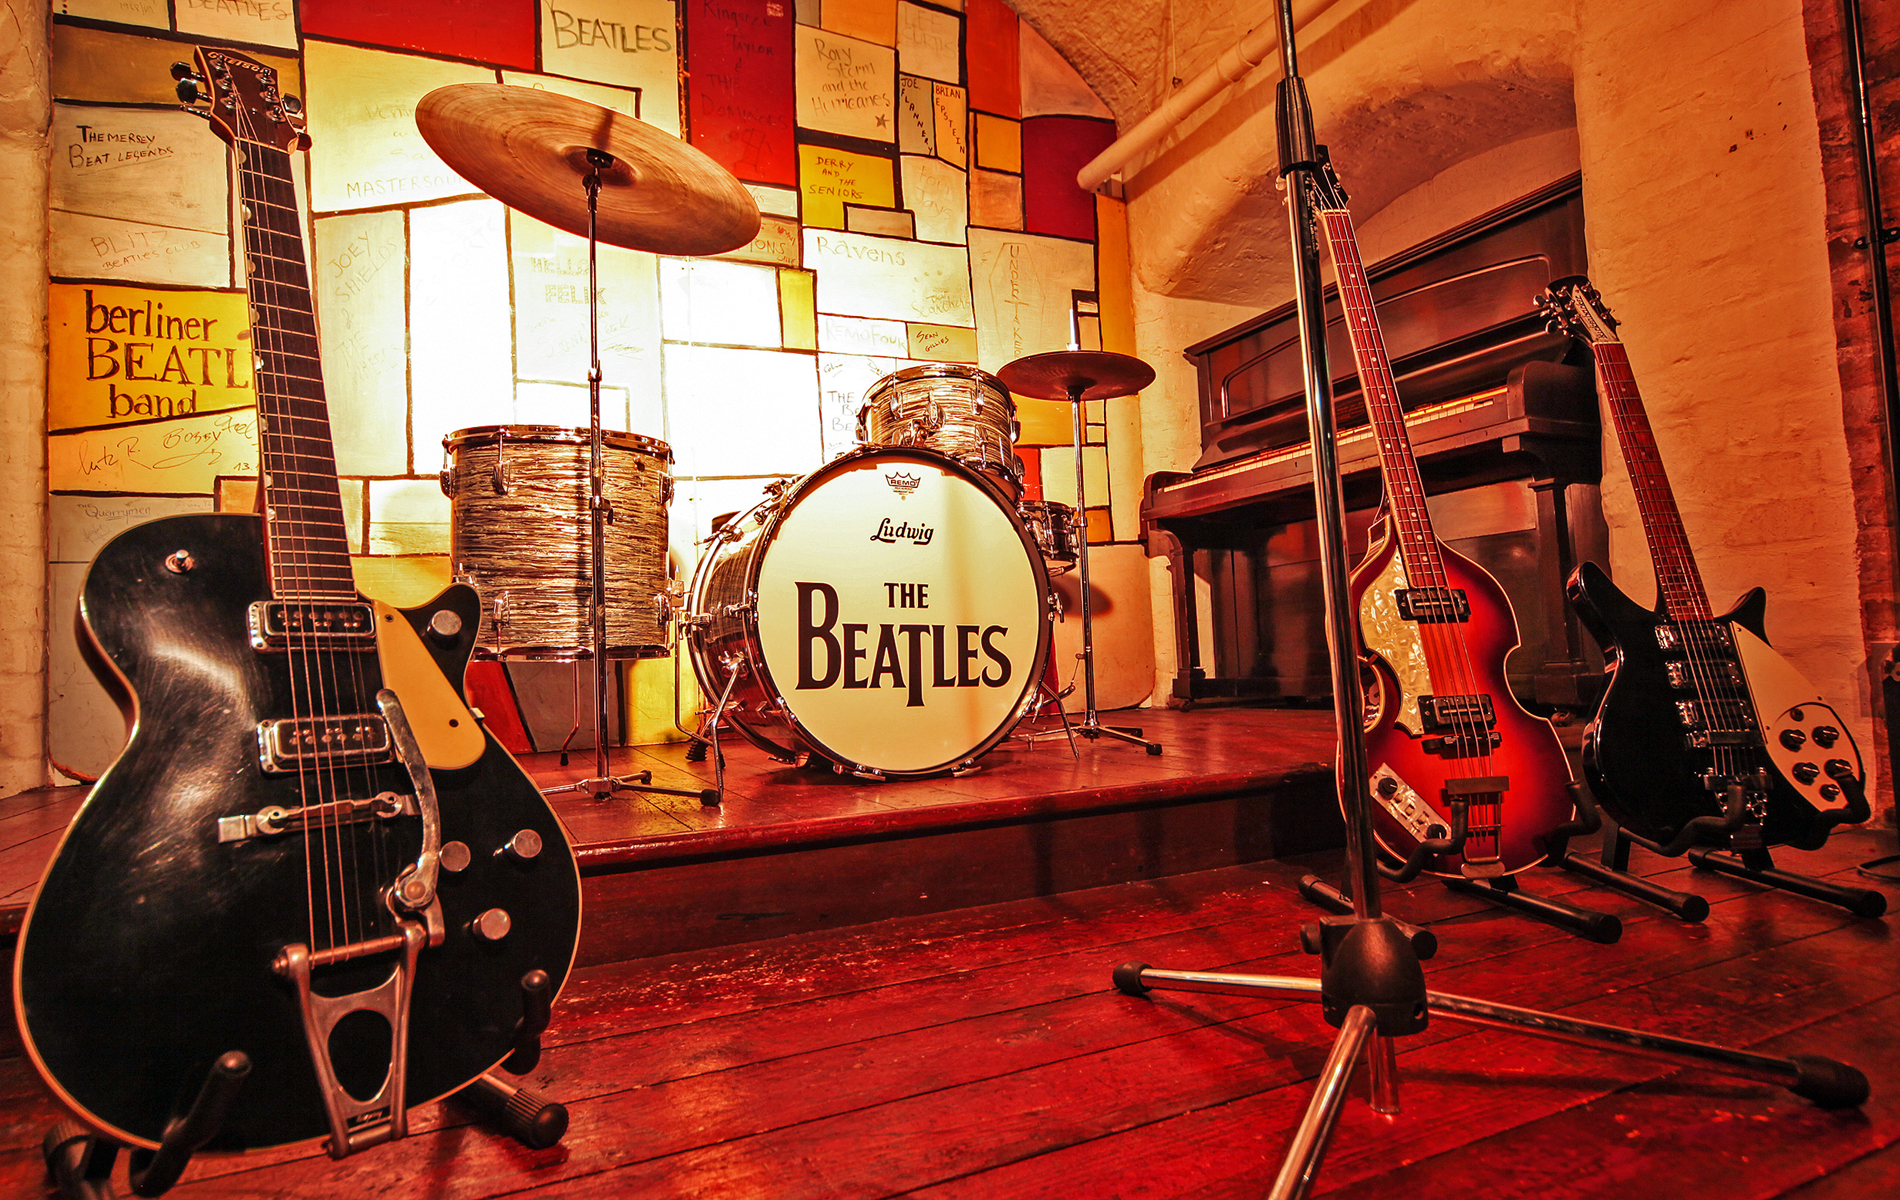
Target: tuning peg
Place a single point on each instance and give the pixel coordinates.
(188, 91)
(182, 70)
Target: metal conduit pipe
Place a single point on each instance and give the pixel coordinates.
(1230, 67)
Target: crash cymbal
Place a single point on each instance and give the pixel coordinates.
(529, 149)
(1077, 375)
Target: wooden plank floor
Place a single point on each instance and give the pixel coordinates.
(982, 1053)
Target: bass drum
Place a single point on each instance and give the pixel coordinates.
(887, 612)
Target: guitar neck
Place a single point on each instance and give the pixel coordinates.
(303, 513)
(1678, 582)
(1404, 489)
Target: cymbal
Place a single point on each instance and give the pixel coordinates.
(528, 149)
(1077, 375)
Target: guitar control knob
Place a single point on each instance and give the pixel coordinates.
(1806, 772)
(1793, 739)
(454, 857)
(180, 561)
(1830, 791)
(1839, 768)
(523, 846)
(445, 625)
(1388, 786)
(491, 926)
(1826, 735)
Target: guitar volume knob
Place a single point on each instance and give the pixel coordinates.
(1826, 735)
(523, 846)
(1806, 772)
(445, 625)
(491, 926)
(1793, 739)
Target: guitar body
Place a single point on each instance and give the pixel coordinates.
(1528, 754)
(147, 952)
(1638, 762)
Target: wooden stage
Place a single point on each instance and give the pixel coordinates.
(978, 1049)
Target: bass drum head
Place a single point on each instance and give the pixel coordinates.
(901, 612)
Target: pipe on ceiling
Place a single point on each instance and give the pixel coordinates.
(1232, 66)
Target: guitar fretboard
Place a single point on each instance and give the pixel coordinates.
(1678, 582)
(303, 513)
(1404, 489)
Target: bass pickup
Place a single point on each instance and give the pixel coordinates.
(1433, 605)
(286, 746)
(313, 625)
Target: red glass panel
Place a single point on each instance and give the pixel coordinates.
(490, 31)
(992, 58)
(1054, 149)
(740, 102)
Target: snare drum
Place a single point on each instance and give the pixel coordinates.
(519, 532)
(1055, 529)
(950, 408)
(887, 612)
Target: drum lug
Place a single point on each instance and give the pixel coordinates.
(666, 491)
(1055, 606)
(857, 772)
(443, 481)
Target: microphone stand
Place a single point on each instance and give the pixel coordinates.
(1372, 985)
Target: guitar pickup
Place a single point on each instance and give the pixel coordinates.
(1703, 635)
(1455, 712)
(1682, 676)
(312, 624)
(1433, 606)
(1717, 723)
(1467, 745)
(285, 747)
(276, 819)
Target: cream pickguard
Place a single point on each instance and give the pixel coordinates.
(1785, 702)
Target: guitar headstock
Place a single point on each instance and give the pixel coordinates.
(1328, 191)
(1571, 306)
(239, 96)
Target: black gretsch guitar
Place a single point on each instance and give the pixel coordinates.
(309, 851)
(1703, 721)
(1449, 748)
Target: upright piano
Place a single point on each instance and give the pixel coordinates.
(1503, 420)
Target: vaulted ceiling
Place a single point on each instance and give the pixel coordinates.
(1402, 91)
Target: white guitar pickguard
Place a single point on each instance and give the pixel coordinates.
(1785, 700)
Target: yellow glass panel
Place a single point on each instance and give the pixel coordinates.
(366, 151)
(254, 23)
(929, 43)
(123, 68)
(119, 354)
(944, 343)
(845, 85)
(1044, 422)
(404, 581)
(1024, 290)
(1099, 530)
(648, 705)
(1114, 285)
(953, 138)
(625, 42)
(798, 310)
(831, 178)
(999, 143)
(237, 493)
(872, 20)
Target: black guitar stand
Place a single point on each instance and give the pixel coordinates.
(1503, 891)
(1703, 840)
(80, 1161)
(1371, 985)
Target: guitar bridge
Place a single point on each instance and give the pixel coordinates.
(1463, 745)
(276, 819)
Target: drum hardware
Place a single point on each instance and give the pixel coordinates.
(527, 148)
(1079, 376)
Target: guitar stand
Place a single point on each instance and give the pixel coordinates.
(1758, 866)
(1371, 985)
(1613, 871)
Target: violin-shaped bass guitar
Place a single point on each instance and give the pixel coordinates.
(1443, 730)
(310, 850)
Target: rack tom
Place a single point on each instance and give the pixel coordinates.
(1055, 529)
(953, 409)
(519, 532)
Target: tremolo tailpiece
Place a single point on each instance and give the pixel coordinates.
(384, 1117)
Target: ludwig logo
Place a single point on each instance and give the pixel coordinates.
(918, 533)
(903, 484)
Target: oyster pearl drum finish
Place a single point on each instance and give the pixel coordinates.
(1057, 530)
(887, 612)
(519, 532)
(955, 409)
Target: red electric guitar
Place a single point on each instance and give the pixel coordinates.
(1443, 731)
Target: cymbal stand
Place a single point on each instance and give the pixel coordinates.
(1371, 985)
(1090, 726)
(603, 784)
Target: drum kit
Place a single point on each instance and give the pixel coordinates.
(889, 613)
